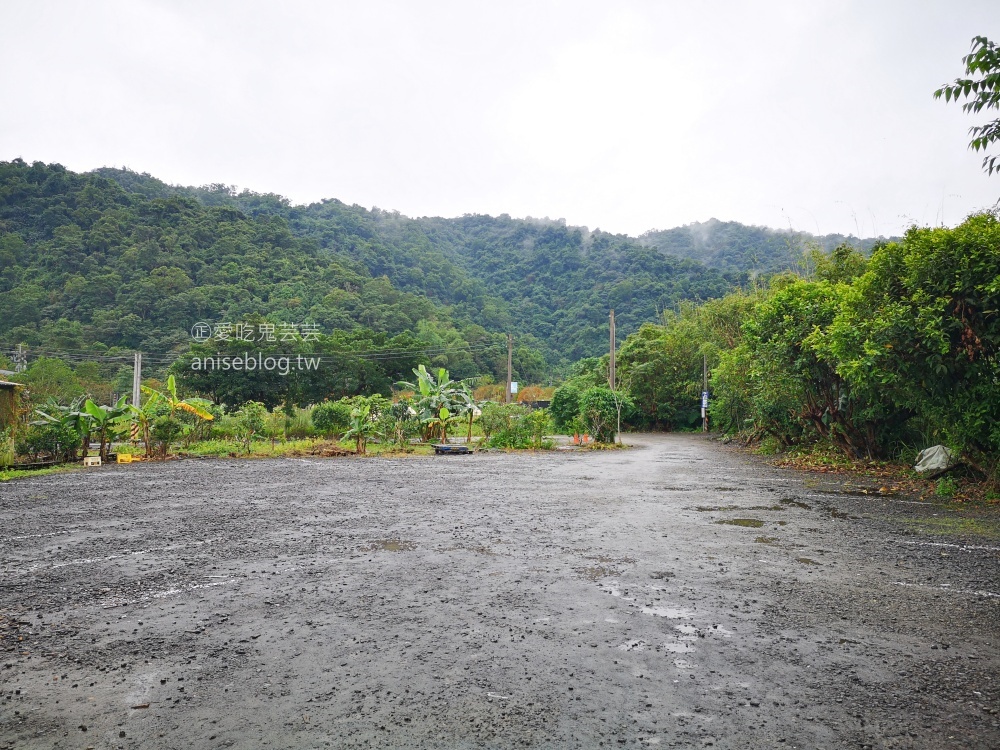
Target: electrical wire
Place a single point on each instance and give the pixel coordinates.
(168, 358)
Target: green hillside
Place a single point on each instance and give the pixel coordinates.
(542, 279)
(733, 247)
(110, 261)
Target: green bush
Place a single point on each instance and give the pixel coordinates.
(503, 425)
(251, 420)
(297, 423)
(164, 431)
(332, 418)
(946, 487)
(56, 441)
(397, 424)
(599, 412)
(565, 406)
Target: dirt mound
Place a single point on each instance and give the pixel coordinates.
(325, 450)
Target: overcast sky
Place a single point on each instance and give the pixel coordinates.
(623, 115)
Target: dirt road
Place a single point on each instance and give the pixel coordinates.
(673, 595)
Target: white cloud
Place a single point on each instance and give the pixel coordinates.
(625, 116)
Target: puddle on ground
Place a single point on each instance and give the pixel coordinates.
(390, 545)
(806, 561)
(717, 508)
(597, 572)
(686, 629)
(714, 508)
(612, 588)
(766, 540)
(671, 613)
(751, 523)
(606, 559)
(796, 503)
(679, 648)
(633, 646)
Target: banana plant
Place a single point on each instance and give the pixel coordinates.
(467, 406)
(144, 415)
(362, 426)
(440, 398)
(105, 419)
(194, 406)
(72, 417)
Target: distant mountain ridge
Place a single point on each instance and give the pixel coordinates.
(733, 247)
(114, 258)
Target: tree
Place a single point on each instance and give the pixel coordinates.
(599, 412)
(565, 406)
(982, 90)
(250, 420)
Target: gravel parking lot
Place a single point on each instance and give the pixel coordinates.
(678, 594)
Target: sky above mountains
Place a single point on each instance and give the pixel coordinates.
(626, 116)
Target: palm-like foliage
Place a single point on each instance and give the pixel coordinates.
(440, 398)
(194, 406)
(145, 414)
(72, 417)
(105, 419)
(363, 424)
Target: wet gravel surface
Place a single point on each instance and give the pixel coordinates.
(674, 595)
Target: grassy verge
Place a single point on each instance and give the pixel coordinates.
(959, 526)
(7, 474)
(884, 477)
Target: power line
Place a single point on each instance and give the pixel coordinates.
(167, 358)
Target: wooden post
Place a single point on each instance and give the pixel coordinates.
(611, 363)
(704, 393)
(510, 366)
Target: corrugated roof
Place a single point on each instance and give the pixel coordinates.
(8, 384)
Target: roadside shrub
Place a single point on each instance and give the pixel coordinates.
(538, 422)
(298, 424)
(164, 431)
(513, 426)
(54, 440)
(946, 487)
(599, 412)
(565, 406)
(497, 418)
(332, 418)
(250, 421)
(397, 424)
(6, 447)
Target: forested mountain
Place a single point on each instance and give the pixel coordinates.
(536, 277)
(113, 259)
(733, 247)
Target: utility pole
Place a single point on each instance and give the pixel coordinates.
(611, 362)
(510, 366)
(136, 390)
(704, 393)
(137, 380)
